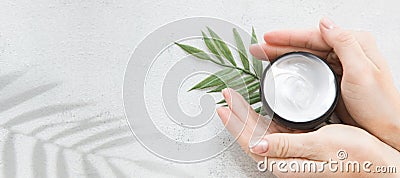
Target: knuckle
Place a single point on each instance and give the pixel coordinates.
(282, 146)
(309, 44)
(345, 38)
(309, 35)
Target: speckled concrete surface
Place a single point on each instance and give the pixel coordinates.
(62, 64)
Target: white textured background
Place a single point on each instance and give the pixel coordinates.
(62, 64)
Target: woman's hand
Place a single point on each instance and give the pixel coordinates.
(369, 98)
(321, 145)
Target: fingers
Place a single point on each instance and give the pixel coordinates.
(271, 52)
(306, 39)
(234, 125)
(345, 46)
(349, 45)
(256, 124)
(287, 145)
(281, 42)
(237, 129)
(240, 107)
(257, 50)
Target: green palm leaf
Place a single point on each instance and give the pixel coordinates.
(195, 51)
(246, 82)
(260, 110)
(211, 80)
(239, 82)
(217, 79)
(210, 45)
(249, 88)
(223, 48)
(241, 49)
(247, 92)
(257, 64)
(253, 98)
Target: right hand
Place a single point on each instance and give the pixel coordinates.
(320, 146)
(369, 98)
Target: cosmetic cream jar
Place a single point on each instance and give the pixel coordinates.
(301, 89)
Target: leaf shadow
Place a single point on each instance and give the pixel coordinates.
(117, 172)
(42, 112)
(98, 136)
(9, 157)
(24, 96)
(89, 169)
(120, 136)
(84, 125)
(61, 165)
(40, 156)
(113, 143)
(39, 160)
(9, 153)
(9, 78)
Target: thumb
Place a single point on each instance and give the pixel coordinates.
(290, 145)
(345, 45)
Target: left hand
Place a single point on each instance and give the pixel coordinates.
(280, 144)
(370, 102)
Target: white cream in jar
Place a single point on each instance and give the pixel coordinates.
(301, 90)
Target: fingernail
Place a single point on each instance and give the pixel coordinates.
(254, 45)
(225, 92)
(221, 110)
(260, 147)
(327, 23)
(258, 52)
(255, 48)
